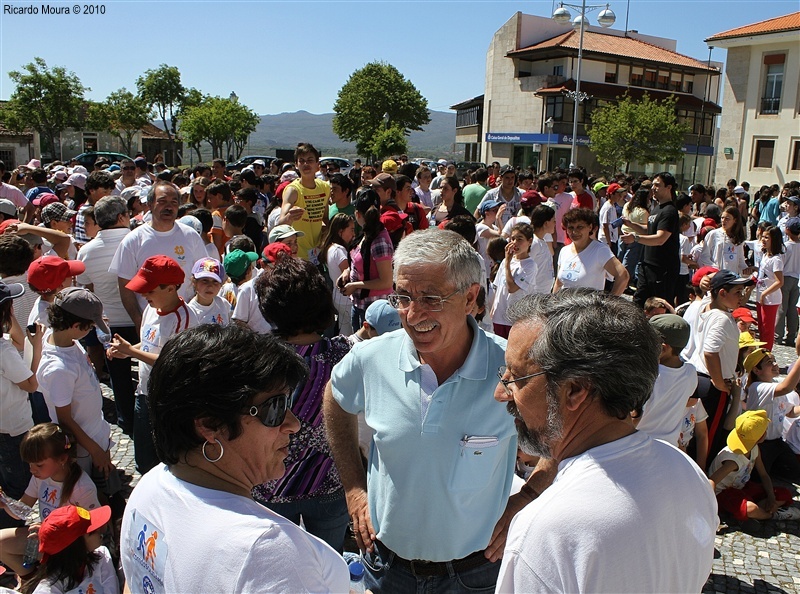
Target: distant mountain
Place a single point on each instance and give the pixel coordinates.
(285, 130)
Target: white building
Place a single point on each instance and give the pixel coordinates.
(531, 62)
(760, 131)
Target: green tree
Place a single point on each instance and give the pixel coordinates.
(163, 92)
(645, 131)
(49, 100)
(390, 141)
(224, 124)
(371, 93)
(122, 114)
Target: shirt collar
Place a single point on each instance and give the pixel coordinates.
(475, 366)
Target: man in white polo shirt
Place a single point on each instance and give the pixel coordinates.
(111, 214)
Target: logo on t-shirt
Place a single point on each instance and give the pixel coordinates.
(179, 253)
(147, 547)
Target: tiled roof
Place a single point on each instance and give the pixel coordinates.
(612, 45)
(789, 22)
(610, 91)
(152, 131)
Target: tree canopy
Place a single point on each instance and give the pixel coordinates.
(370, 94)
(222, 122)
(645, 131)
(162, 90)
(49, 100)
(122, 114)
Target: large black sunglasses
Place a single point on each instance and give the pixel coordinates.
(272, 411)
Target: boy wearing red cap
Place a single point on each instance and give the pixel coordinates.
(730, 473)
(166, 314)
(46, 277)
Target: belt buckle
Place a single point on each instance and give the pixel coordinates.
(421, 562)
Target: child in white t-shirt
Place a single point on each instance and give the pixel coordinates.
(768, 287)
(166, 314)
(732, 468)
(662, 415)
(515, 277)
(68, 381)
(767, 394)
(208, 306)
(694, 425)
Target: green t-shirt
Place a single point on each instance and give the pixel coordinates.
(473, 194)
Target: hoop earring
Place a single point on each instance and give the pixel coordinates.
(221, 451)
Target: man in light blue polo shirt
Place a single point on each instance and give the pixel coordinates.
(442, 457)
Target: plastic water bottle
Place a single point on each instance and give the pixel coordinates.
(17, 508)
(356, 577)
(31, 556)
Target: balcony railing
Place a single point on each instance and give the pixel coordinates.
(770, 105)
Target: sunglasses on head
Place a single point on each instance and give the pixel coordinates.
(272, 411)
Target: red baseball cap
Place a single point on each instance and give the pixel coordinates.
(156, 270)
(49, 272)
(393, 220)
(67, 524)
(614, 188)
(7, 223)
(271, 252)
(701, 272)
(44, 199)
(743, 314)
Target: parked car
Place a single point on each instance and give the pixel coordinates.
(344, 165)
(463, 166)
(88, 159)
(245, 161)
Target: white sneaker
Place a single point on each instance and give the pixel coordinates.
(787, 513)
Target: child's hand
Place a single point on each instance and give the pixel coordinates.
(510, 250)
(119, 349)
(771, 506)
(102, 461)
(33, 530)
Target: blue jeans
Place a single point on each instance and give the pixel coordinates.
(629, 255)
(357, 317)
(144, 450)
(39, 408)
(382, 577)
(327, 520)
(14, 475)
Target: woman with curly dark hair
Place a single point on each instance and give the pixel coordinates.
(294, 297)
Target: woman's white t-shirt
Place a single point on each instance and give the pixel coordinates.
(585, 269)
(721, 253)
(172, 529)
(540, 254)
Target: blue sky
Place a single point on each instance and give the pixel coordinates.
(290, 55)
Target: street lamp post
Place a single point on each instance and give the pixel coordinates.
(548, 124)
(562, 16)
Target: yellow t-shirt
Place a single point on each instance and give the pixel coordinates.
(315, 203)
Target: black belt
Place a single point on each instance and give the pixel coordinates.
(420, 568)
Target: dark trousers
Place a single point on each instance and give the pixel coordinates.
(716, 405)
(779, 460)
(653, 281)
(14, 475)
(144, 450)
(682, 289)
(122, 382)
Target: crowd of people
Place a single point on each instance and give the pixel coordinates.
(447, 367)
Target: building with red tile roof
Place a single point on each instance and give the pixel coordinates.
(760, 129)
(531, 63)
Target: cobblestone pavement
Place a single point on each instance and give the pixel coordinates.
(757, 561)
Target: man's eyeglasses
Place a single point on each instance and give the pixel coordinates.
(271, 412)
(426, 302)
(501, 371)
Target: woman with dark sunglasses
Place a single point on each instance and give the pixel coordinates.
(219, 403)
(294, 297)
